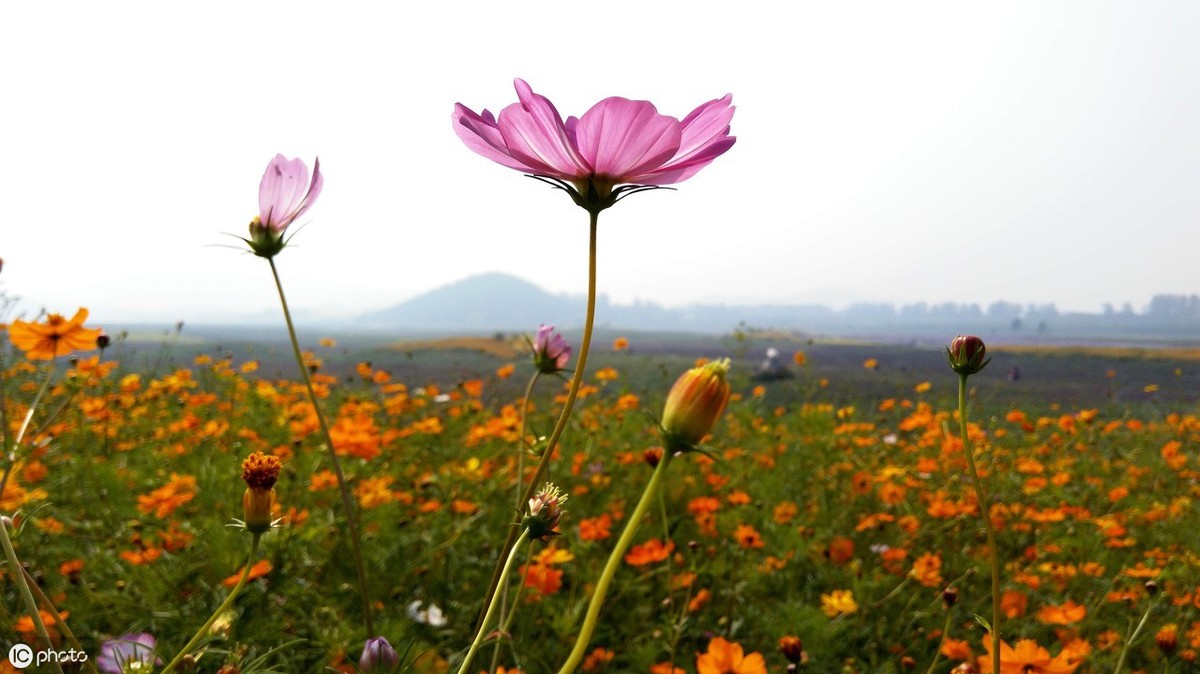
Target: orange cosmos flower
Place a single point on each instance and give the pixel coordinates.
(164, 500)
(724, 657)
(1028, 658)
(649, 552)
(748, 537)
(261, 568)
(1067, 613)
(56, 337)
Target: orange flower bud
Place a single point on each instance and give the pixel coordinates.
(260, 471)
(695, 403)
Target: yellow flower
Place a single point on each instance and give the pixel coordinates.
(838, 602)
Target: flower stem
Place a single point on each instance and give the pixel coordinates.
(1132, 638)
(58, 619)
(347, 501)
(568, 406)
(12, 454)
(14, 568)
(487, 616)
(981, 496)
(200, 634)
(610, 567)
(506, 614)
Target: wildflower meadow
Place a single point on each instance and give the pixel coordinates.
(561, 514)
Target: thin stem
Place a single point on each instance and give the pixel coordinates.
(937, 655)
(200, 634)
(1132, 638)
(981, 496)
(14, 567)
(487, 616)
(610, 568)
(58, 619)
(12, 455)
(568, 406)
(347, 500)
(521, 437)
(505, 614)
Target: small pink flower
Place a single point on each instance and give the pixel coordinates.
(284, 194)
(550, 351)
(618, 142)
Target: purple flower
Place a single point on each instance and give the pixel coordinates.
(378, 656)
(550, 351)
(117, 654)
(284, 194)
(616, 142)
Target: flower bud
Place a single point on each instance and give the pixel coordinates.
(694, 404)
(550, 351)
(260, 472)
(791, 648)
(966, 354)
(545, 510)
(378, 656)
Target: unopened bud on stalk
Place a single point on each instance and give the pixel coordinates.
(966, 354)
(694, 404)
(260, 471)
(545, 510)
(378, 657)
(791, 647)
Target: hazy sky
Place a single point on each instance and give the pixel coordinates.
(937, 151)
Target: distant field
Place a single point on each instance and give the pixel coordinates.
(1053, 374)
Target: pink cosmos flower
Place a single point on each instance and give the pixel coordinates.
(617, 147)
(550, 351)
(284, 194)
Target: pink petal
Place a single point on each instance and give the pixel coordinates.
(285, 192)
(623, 139)
(280, 191)
(679, 172)
(534, 134)
(705, 137)
(480, 133)
(704, 126)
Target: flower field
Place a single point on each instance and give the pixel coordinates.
(851, 526)
(209, 514)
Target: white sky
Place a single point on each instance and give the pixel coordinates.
(899, 152)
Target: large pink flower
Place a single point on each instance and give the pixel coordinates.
(284, 194)
(618, 142)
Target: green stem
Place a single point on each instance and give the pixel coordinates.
(487, 616)
(568, 406)
(343, 487)
(1132, 638)
(14, 567)
(12, 454)
(505, 614)
(58, 619)
(610, 568)
(204, 629)
(981, 496)
(937, 655)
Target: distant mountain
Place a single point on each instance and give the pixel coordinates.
(502, 302)
(485, 302)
